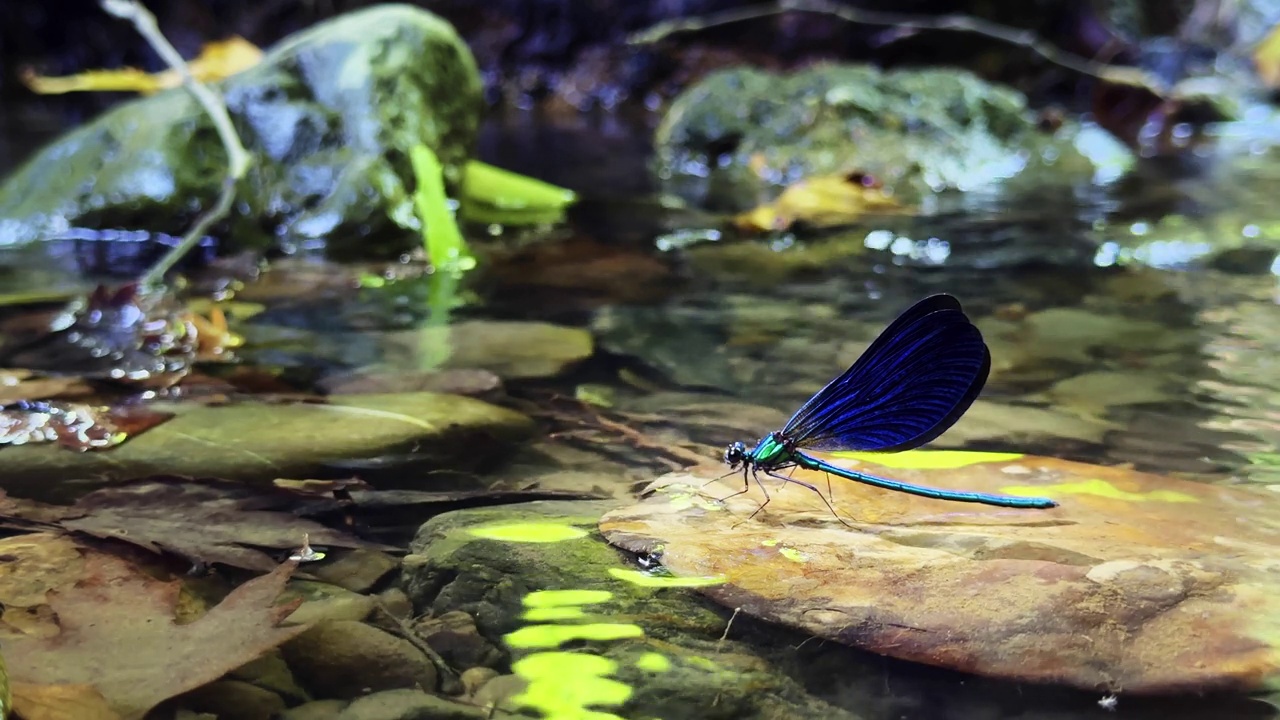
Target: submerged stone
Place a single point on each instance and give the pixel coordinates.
(329, 117)
(501, 350)
(264, 441)
(1136, 583)
(345, 659)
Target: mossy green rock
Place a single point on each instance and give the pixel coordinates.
(260, 442)
(487, 561)
(329, 116)
(920, 132)
(453, 568)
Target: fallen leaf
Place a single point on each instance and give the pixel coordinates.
(17, 385)
(358, 498)
(1266, 59)
(214, 339)
(205, 521)
(217, 60)
(118, 634)
(1135, 582)
(320, 488)
(75, 426)
(462, 498)
(822, 201)
(33, 565)
(61, 702)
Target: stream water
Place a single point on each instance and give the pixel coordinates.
(1137, 325)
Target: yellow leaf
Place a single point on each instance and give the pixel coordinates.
(1266, 58)
(225, 58)
(821, 201)
(61, 702)
(217, 60)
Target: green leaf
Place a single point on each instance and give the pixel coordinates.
(505, 190)
(444, 243)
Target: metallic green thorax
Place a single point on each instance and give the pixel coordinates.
(770, 452)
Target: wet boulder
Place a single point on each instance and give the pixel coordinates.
(329, 117)
(739, 136)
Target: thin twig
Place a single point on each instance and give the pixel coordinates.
(238, 159)
(402, 629)
(641, 440)
(728, 625)
(958, 23)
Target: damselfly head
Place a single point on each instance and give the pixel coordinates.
(735, 455)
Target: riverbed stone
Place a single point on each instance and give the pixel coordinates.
(411, 705)
(255, 441)
(235, 698)
(315, 710)
(344, 659)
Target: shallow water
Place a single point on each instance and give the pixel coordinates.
(1168, 361)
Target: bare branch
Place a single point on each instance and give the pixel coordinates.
(238, 159)
(957, 23)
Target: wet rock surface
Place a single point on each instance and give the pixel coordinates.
(1135, 583)
(329, 117)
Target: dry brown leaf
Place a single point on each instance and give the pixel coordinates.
(30, 566)
(822, 201)
(61, 702)
(1266, 59)
(118, 633)
(34, 564)
(217, 60)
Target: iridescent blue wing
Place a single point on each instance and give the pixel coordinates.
(933, 303)
(909, 387)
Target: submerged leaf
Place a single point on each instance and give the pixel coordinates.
(204, 521)
(80, 701)
(119, 635)
(217, 60)
(75, 426)
(17, 385)
(822, 201)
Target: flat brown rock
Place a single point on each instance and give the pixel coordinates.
(1137, 583)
